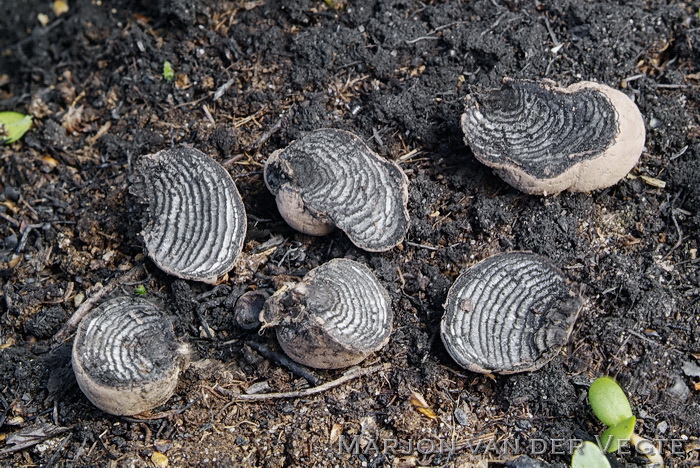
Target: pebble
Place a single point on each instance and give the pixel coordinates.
(654, 123)
(691, 369)
(461, 417)
(258, 387)
(679, 390)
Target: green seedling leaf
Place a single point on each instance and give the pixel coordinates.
(608, 401)
(618, 435)
(140, 290)
(13, 126)
(589, 455)
(168, 72)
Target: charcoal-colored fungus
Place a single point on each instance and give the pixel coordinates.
(336, 317)
(329, 179)
(543, 139)
(126, 358)
(195, 224)
(509, 313)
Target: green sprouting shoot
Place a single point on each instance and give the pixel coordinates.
(608, 401)
(168, 72)
(140, 290)
(618, 435)
(588, 455)
(611, 406)
(13, 126)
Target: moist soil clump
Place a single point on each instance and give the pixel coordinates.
(250, 78)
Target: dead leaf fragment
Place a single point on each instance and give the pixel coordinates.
(43, 19)
(421, 405)
(653, 181)
(60, 7)
(31, 436)
(159, 459)
(72, 119)
(336, 431)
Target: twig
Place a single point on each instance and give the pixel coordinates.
(422, 246)
(296, 369)
(53, 458)
(267, 134)
(434, 31)
(673, 86)
(348, 376)
(555, 41)
(87, 306)
(680, 236)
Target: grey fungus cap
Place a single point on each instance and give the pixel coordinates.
(126, 358)
(509, 313)
(543, 139)
(329, 179)
(195, 222)
(334, 318)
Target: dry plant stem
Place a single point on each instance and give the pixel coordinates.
(348, 376)
(88, 305)
(648, 449)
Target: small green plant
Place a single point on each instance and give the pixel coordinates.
(13, 126)
(140, 290)
(589, 455)
(611, 406)
(168, 72)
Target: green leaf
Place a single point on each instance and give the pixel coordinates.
(13, 126)
(589, 455)
(168, 72)
(608, 401)
(140, 290)
(618, 434)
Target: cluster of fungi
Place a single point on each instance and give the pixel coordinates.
(509, 313)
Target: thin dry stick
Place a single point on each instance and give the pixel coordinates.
(87, 306)
(351, 375)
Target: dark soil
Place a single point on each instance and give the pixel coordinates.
(395, 72)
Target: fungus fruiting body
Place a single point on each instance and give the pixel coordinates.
(509, 313)
(195, 224)
(335, 317)
(329, 179)
(126, 358)
(543, 139)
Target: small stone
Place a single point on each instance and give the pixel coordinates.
(258, 387)
(691, 369)
(461, 417)
(679, 389)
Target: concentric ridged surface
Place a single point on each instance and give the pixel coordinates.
(127, 341)
(337, 316)
(537, 127)
(509, 313)
(196, 219)
(353, 305)
(339, 177)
